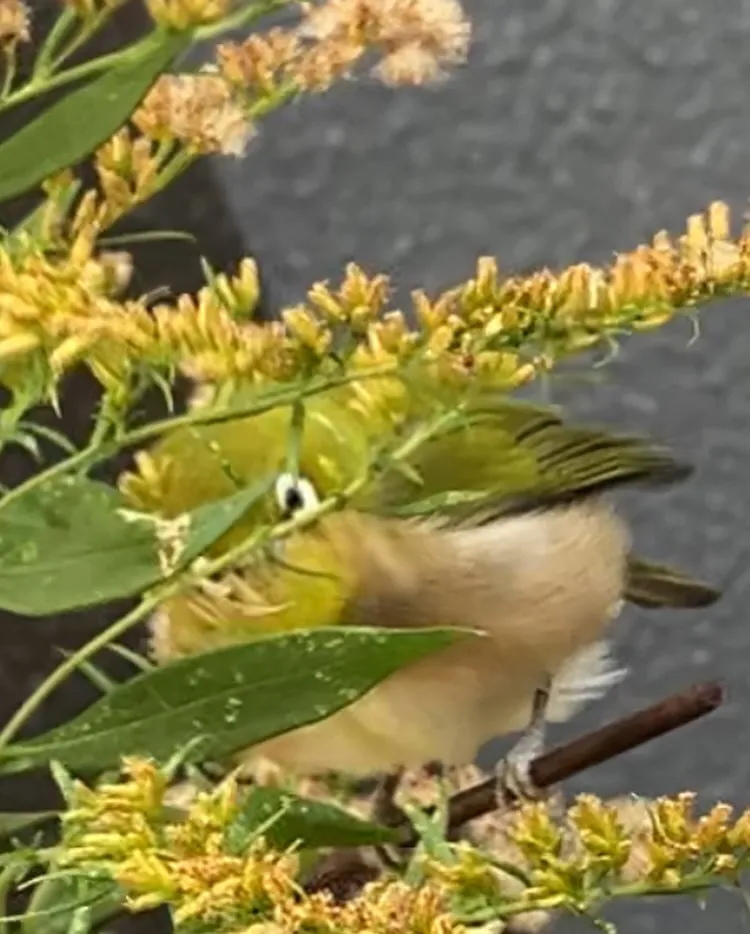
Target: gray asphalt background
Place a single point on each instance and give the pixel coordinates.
(577, 129)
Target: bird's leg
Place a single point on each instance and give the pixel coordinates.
(514, 781)
(386, 811)
(384, 808)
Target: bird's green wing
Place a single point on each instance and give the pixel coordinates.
(507, 457)
(503, 456)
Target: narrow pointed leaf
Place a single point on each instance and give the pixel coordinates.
(71, 129)
(146, 236)
(66, 897)
(66, 544)
(13, 823)
(233, 697)
(284, 819)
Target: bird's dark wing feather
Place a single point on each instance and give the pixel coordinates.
(507, 457)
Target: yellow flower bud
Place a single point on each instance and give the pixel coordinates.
(71, 350)
(305, 327)
(18, 345)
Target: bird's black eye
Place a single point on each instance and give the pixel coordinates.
(294, 494)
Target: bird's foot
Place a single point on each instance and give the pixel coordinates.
(515, 783)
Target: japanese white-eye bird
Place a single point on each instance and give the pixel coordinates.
(495, 522)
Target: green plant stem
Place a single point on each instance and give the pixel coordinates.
(39, 898)
(274, 400)
(8, 876)
(84, 70)
(89, 30)
(242, 17)
(45, 902)
(690, 883)
(46, 77)
(178, 163)
(11, 62)
(62, 25)
(109, 416)
(11, 416)
(217, 565)
(96, 452)
(695, 882)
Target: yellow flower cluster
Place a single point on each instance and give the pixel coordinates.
(680, 842)
(595, 855)
(555, 314)
(123, 829)
(57, 310)
(183, 14)
(127, 169)
(509, 329)
(165, 848)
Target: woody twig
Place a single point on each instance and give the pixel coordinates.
(345, 873)
(594, 748)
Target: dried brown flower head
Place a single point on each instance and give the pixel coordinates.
(197, 110)
(15, 22)
(416, 41)
(260, 62)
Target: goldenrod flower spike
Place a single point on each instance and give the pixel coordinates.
(182, 14)
(502, 330)
(573, 859)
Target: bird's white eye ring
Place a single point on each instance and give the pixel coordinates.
(294, 494)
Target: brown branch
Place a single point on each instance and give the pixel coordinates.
(344, 873)
(593, 749)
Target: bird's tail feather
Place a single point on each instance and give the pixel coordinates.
(586, 676)
(657, 586)
(574, 463)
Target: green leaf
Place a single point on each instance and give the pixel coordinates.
(71, 129)
(210, 521)
(98, 678)
(49, 434)
(431, 830)
(66, 544)
(13, 823)
(233, 697)
(64, 781)
(283, 819)
(59, 901)
(146, 236)
(130, 655)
